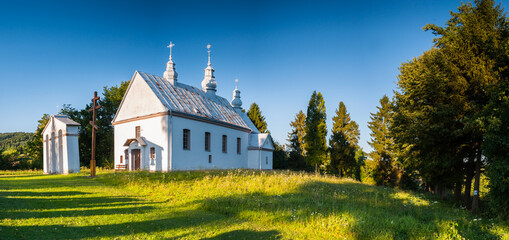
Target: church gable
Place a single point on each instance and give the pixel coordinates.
(139, 100)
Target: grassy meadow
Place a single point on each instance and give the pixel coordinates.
(235, 204)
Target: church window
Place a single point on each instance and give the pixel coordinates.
(238, 145)
(121, 159)
(207, 141)
(138, 132)
(210, 158)
(187, 139)
(266, 160)
(152, 152)
(225, 146)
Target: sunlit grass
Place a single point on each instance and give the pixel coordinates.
(225, 204)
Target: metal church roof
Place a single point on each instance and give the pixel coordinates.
(191, 100)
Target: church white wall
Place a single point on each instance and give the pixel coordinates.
(139, 100)
(154, 131)
(260, 159)
(197, 158)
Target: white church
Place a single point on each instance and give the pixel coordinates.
(165, 125)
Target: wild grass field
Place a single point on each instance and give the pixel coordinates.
(235, 204)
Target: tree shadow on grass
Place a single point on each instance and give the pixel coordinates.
(18, 205)
(247, 234)
(152, 228)
(376, 211)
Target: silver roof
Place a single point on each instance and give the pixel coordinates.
(66, 120)
(191, 100)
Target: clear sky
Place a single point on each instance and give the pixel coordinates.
(53, 53)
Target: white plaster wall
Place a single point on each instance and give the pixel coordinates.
(139, 100)
(197, 158)
(254, 159)
(155, 133)
(73, 153)
(258, 159)
(266, 155)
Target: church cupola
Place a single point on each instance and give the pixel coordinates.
(170, 74)
(209, 82)
(236, 102)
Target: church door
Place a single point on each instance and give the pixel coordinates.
(136, 158)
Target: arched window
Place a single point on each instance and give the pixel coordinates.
(53, 154)
(239, 144)
(121, 158)
(152, 152)
(60, 151)
(225, 143)
(47, 152)
(207, 141)
(186, 141)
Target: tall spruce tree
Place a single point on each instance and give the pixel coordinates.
(296, 142)
(383, 169)
(343, 142)
(255, 114)
(316, 131)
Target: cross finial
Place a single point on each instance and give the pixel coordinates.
(208, 50)
(236, 82)
(170, 46)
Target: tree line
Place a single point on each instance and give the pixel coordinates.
(447, 124)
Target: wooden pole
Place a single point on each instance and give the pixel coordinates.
(94, 129)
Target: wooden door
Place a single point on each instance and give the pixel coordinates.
(136, 158)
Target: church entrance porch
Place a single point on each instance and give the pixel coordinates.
(135, 153)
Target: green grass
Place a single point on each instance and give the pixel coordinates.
(236, 204)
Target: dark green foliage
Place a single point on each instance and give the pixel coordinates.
(14, 139)
(449, 119)
(34, 147)
(316, 130)
(280, 158)
(383, 169)
(296, 147)
(255, 114)
(360, 159)
(496, 148)
(110, 101)
(343, 143)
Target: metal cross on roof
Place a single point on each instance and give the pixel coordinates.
(236, 82)
(170, 46)
(208, 50)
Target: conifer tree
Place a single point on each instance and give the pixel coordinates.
(343, 142)
(255, 114)
(296, 139)
(296, 136)
(382, 168)
(316, 131)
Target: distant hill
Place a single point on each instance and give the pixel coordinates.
(14, 139)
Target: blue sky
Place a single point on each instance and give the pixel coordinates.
(53, 53)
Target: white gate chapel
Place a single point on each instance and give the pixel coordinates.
(60, 145)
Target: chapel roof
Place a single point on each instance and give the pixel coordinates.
(182, 98)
